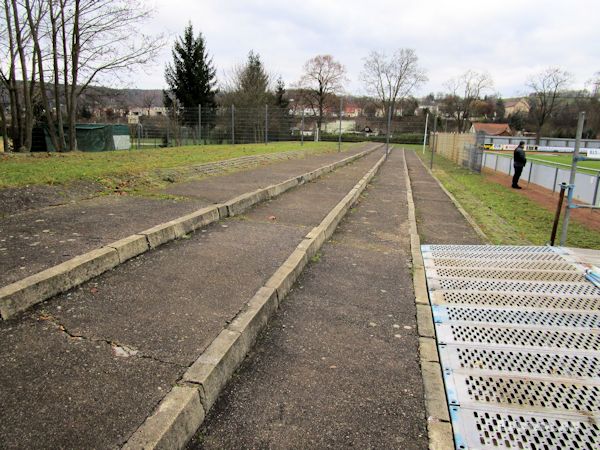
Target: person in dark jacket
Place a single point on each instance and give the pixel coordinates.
(519, 162)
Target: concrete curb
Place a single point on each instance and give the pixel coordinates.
(439, 429)
(22, 294)
(458, 206)
(210, 373)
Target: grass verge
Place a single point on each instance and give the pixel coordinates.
(504, 216)
(109, 167)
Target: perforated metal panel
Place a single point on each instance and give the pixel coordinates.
(490, 249)
(518, 331)
(517, 316)
(503, 274)
(493, 429)
(497, 256)
(507, 299)
(532, 287)
(500, 264)
(517, 336)
(528, 394)
(556, 363)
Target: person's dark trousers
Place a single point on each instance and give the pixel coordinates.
(516, 176)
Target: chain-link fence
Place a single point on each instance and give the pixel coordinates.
(162, 127)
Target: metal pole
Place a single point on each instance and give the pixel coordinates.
(200, 123)
(557, 215)
(596, 189)
(302, 129)
(340, 127)
(425, 133)
(266, 124)
(434, 140)
(565, 225)
(389, 126)
(232, 124)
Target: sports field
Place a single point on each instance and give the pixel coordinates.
(555, 159)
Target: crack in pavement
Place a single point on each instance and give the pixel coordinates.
(119, 350)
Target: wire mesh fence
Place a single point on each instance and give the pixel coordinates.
(264, 124)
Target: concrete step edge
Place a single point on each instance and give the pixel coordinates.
(211, 372)
(21, 295)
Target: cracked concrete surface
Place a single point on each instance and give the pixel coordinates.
(70, 374)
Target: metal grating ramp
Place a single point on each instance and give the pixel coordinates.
(518, 333)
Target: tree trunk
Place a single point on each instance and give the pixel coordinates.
(27, 125)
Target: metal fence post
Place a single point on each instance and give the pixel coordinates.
(266, 124)
(389, 126)
(434, 139)
(425, 132)
(565, 225)
(233, 124)
(596, 189)
(555, 179)
(302, 129)
(510, 164)
(200, 124)
(340, 127)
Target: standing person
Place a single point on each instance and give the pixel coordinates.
(519, 162)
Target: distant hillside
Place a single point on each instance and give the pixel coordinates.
(103, 97)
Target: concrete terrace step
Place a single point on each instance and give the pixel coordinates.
(35, 240)
(21, 294)
(86, 368)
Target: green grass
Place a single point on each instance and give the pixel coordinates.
(111, 167)
(553, 160)
(505, 216)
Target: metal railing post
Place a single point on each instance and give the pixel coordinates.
(434, 140)
(565, 227)
(233, 124)
(425, 133)
(555, 180)
(266, 124)
(302, 129)
(340, 126)
(389, 126)
(596, 189)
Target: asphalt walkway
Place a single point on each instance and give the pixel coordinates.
(84, 369)
(338, 366)
(438, 220)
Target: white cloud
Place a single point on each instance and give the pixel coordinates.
(511, 39)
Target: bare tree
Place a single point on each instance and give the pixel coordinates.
(464, 92)
(392, 78)
(75, 42)
(323, 78)
(546, 87)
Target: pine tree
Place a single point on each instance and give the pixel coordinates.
(192, 77)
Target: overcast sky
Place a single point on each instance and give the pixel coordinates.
(511, 39)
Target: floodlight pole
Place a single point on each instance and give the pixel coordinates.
(571, 186)
(425, 133)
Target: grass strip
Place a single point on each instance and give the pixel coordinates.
(104, 167)
(506, 217)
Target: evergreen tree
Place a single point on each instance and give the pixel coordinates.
(192, 77)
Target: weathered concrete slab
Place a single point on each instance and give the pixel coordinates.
(338, 366)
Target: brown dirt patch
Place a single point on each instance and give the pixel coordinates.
(547, 199)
